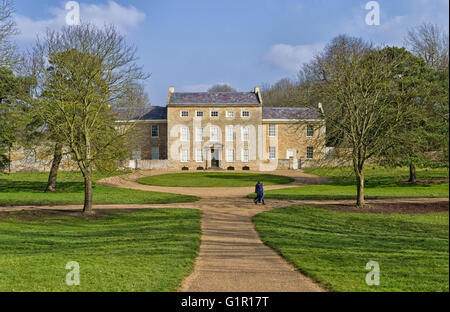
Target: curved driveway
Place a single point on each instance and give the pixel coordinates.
(232, 257)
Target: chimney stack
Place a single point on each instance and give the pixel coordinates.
(171, 91)
(320, 107)
(258, 93)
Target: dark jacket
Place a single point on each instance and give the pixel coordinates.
(259, 188)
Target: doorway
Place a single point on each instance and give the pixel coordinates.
(214, 158)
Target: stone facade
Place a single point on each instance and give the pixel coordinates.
(148, 144)
(229, 131)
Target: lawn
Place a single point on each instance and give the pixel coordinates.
(334, 247)
(149, 250)
(27, 189)
(214, 179)
(380, 183)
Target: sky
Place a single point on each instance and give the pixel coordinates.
(195, 44)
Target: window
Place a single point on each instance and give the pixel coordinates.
(229, 155)
(199, 134)
(230, 114)
(245, 114)
(272, 131)
(214, 134)
(310, 152)
(184, 134)
(184, 155)
(155, 153)
(245, 134)
(245, 155)
(199, 114)
(199, 155)
(309, 131)
(214, 114)
(272, 152)
(184, 114)
(229, 133)
(155, 131)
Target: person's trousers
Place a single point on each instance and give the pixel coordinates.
(259, 198)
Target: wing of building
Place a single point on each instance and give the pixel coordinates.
(226, 130)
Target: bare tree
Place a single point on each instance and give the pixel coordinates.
(429, 42)
(83, 74)
(221, 88)
(281, 93)
(8, 56)
(355, 84)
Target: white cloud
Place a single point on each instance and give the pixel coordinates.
(394, 28)
(124, 18)
(289, 57)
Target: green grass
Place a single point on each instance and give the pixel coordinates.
(380, 183)
(334, 247)
(27, 189)
(214, 179)
(150, 250)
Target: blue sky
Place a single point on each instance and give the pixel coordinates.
(193, 45)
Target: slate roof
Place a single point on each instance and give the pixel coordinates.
(228, 98)
(149, 113)
(290, 113)
(156, 113)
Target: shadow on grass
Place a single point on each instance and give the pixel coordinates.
(121, 230)
(13, 186)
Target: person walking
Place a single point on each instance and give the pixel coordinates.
(259, 190)
(258, 187)
(261, 196)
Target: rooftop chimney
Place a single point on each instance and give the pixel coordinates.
(258, 93)
(320, 107)
(171, 91)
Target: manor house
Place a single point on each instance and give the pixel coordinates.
(229, 131)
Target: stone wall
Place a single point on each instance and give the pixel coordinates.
(292, 136)
(141, 140)
(37, 161)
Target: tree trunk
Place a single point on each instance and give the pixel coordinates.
(57, 158)
(412, 173)
(87, 193)
(9, 159)
(360, 189)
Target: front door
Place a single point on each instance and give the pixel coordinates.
(214, 158)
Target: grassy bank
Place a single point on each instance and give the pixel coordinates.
(214, 179)
(149, 250)
(380, 183)
(334, 247)
(28, 189)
